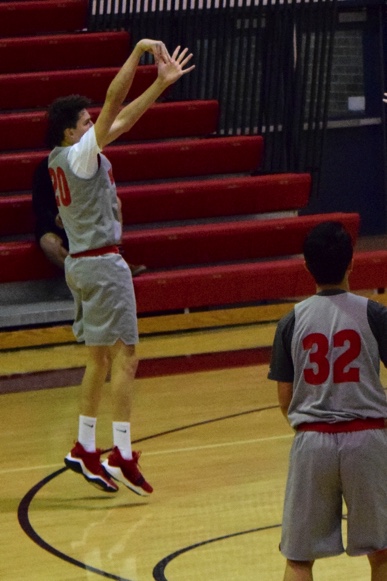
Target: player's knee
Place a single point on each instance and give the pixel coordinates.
(48, 241)
(99, 357)
(53, 248)
(127, 359)
(132, 364)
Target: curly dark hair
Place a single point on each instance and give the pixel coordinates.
(63, 113)
(328, 251)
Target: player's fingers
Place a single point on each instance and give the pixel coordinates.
(160, 52)
(181, 55)
(185, 71)
(176, 52)
(186, 60)
(164, 55)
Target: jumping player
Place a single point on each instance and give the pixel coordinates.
(326, 358)
(98, 277)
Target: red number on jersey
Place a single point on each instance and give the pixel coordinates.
(318, 346)
(61, 187)
(341, 370)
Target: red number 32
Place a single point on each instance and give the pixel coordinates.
(318, 346)
(61, 187)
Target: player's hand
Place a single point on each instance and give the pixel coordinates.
(155, 47)
(173, 68)
(385, 98)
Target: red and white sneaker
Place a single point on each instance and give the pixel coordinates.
(89, 465)
(127, 472)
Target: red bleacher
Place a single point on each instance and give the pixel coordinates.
(62, 51)
(215, 243)
(32, 90)
(182, 246)
(27, 130)
(171, 168)
(151, 161)
(252, 282)
(16, 216)
(25, 18)
(185, 158)
(183, 200)
(208, 198)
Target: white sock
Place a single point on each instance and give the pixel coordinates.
(86, 432)
(121, 439)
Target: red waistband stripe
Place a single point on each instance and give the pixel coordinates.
(341, 427)
(97, 252)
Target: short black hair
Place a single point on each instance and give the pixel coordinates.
(328, 251)
(63, 113)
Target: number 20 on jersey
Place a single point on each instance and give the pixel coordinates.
(61, 187)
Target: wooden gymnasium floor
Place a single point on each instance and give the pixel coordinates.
(214, 447)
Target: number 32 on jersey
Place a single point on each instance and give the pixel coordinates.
(61, 187)
(319, 350)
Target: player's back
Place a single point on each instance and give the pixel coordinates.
(336, 360)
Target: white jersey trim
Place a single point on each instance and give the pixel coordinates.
(83, 156)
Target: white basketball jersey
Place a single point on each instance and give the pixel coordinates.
(88, 207)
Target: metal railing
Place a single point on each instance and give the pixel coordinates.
(267, 63)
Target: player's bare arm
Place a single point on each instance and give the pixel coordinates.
(285, 393)
(170, 69)
(120, 85)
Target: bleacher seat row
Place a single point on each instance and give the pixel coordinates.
(151, 161)
(239, 284)
(195, 208)
(40, 16)
(183, 246)
(27, 130)
(182, 200)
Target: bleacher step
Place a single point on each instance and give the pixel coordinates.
(32, 314)
(34, 303)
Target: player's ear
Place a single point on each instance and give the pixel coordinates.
(68, 135)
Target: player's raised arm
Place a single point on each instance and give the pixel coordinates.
(120, 85)
(170, 69)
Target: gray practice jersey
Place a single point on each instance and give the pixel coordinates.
(88, 207)
(330, 347)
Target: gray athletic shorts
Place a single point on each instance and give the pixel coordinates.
(324, 469)
(105, 304)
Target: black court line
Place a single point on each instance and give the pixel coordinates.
(159, 570)
(23, 508)
(25, 524)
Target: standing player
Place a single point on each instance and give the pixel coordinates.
(98, 277)
(326, 358)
